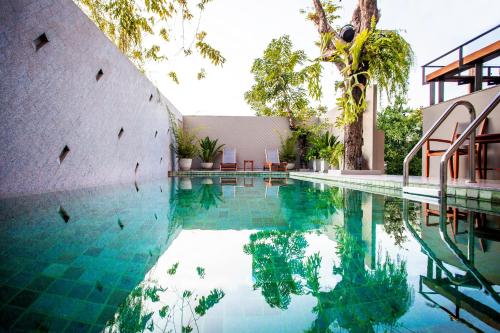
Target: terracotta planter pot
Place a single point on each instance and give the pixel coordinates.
(185, 164)
(207, 165)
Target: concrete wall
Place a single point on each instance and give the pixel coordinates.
(479, 99)
(50, 98)
(249, 135)
(373, 138)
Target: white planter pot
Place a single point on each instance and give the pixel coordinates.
(207, 165)
(185, 164)
(315, 165)
(290, 166)
(207, 181)
(323, 166)
(185, 183)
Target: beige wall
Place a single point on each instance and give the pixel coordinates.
(479, 99)
(249, 135)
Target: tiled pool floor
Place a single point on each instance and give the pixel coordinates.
(252, 255)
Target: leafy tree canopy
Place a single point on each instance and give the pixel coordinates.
(144, 29)
(402, 126)
(284, 84)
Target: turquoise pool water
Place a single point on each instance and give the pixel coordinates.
(242, 255)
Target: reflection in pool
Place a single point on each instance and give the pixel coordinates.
(239, 254)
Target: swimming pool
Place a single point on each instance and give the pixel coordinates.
(240, 254)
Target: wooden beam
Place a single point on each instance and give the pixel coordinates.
(468, 60)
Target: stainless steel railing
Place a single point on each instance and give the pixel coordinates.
(427, 135)
(469, 131)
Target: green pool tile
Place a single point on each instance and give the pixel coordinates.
(88, 312)
(460, 192)
(106, 314)
(485, 195)
(73, 273)
(55, 270)
(7, 293)
(117, 297)
(77, 327)
(99, 296)
(24, 299)
(40, 283)
(46, 303)
(472, 193)
(61, 287)
(8, 316)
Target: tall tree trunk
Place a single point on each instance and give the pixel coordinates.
(361, 20)
(353, 144)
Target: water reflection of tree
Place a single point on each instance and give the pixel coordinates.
(393, 219)
(145, 308)
(279, 265)
(362, 299)
(303, 204)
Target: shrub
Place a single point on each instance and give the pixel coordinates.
(209, 149)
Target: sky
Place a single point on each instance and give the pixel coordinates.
(241, 30)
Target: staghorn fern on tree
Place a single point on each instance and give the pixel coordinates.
(374, 56)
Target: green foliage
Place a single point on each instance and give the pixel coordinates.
(206, 303)
(185, 143)
(325, 146)
(402, 127)
(381, 57)
(172, 270)
(288, 149)
(209, 149)
(145, 29)
(280, 84)
(145, 309)
(201, 272)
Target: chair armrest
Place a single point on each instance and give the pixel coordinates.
(439, 140)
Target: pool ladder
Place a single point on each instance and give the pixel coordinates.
(470, 132)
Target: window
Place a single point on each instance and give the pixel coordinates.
(63, 154)
(156, 133)
(120, 133)
(40, 41)
(150, 97)
(136, 167)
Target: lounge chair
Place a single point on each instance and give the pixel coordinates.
(228, 160)
(273, 160)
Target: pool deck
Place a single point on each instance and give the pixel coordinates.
(482, 190)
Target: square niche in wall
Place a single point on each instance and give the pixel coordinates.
(64, 153)
(99, 75)
(40, 41)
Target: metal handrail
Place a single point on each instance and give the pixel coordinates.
(469, 131)
(460, 51)
(414, 151)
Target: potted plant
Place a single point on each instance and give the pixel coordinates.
(208, 152)
(288, 151)
(327, 145)
(184, 146)
(336, 156)
(312, 152)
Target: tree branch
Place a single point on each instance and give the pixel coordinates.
(321, 22)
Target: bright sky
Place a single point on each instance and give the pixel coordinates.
(241, 30)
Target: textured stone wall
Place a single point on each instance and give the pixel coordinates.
(50, 98)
